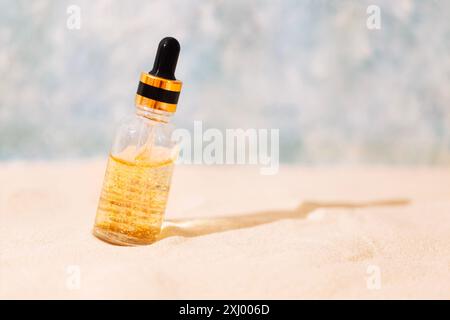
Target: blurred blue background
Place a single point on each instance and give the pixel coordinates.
(339, 92)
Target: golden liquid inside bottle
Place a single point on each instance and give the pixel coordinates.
(133, 201)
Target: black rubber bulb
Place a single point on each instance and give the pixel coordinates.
(166, 59)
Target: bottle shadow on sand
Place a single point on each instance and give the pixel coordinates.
(202, 226)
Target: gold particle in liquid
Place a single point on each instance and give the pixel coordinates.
(133, 201)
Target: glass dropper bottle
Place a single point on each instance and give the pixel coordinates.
(140, 165)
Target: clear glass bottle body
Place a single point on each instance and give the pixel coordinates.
(137, 179)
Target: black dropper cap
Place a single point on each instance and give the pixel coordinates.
(166, 59)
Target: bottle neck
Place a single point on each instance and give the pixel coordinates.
(153, 114)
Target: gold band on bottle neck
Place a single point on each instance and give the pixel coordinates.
(171, 85)
(154, 104)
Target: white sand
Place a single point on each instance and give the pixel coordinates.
(304, 233)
